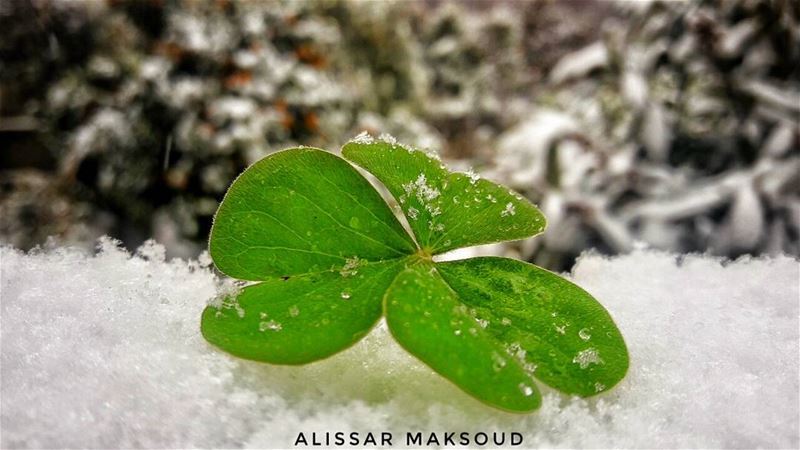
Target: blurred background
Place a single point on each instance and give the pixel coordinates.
(671, 125)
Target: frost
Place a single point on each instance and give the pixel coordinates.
(473, 177)
(433, 210)
(105, 351)
(517, 352)
(413, 213)
(586, 357)
(388, 138)
(529, 367)
(350, 267)
(271, 325)
(345, 295)
(509, 211)
(294, 311)
(363, 138)
(421, 189)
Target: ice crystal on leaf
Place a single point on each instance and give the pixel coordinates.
(584, 358)
(363, 138)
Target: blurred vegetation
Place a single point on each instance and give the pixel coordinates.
(672, 124)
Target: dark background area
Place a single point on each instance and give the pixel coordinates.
(672, 125)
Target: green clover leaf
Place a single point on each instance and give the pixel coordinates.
(331, 258)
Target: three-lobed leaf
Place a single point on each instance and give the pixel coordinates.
(332, 258)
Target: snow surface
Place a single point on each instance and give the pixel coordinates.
(105, 351)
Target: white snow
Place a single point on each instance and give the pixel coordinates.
(105, 351)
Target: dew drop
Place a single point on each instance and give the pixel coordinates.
(345, 295)
(525, 389)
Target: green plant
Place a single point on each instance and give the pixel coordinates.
(331, 258)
